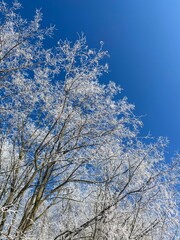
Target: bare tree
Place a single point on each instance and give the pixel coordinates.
(72, 162)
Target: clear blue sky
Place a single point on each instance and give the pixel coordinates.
(143, 39)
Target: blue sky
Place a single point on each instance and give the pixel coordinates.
(143, 39)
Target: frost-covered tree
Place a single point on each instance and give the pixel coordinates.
(72, 162)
